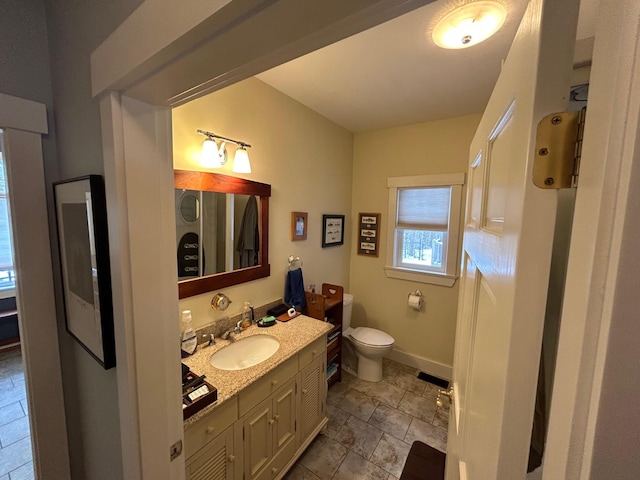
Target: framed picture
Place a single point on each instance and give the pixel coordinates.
(332, 230)
(298, 226)
(369, 234)
(81, 215)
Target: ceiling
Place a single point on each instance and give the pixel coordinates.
(393, 74)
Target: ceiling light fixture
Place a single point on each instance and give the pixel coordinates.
(213, 156)
(469, 24)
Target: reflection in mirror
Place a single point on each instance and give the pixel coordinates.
(189, 207)
(222, 231)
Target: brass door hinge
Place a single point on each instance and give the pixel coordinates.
(558, 150)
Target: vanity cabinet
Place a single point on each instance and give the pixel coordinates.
(328, 306)
(216, 461)
(259, 433)
(313, 393)
(210, 445)
(269, 434)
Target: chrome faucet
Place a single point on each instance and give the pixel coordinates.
(228, 335)
(207, 340)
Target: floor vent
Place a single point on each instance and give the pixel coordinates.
(435, 380)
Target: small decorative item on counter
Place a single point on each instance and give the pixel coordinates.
(278, 310)
(189, 341)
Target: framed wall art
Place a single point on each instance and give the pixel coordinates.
(299, 226)
(332, 230)
(81, 215)
(369, 234)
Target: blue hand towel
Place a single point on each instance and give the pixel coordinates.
(294, 289)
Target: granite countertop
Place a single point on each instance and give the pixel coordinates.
(293, 336)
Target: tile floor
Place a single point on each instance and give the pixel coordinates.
(15, 439)
(372, 426)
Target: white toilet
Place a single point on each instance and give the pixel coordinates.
(362, 347)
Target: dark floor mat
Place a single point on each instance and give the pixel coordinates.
(423, 463)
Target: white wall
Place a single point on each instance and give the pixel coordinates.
(75, 28)
(305, 158)
(381, 302)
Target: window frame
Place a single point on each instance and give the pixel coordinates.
(449, 272)
(7, 291)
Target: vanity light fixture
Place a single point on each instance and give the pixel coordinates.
(214, 156)
(469, 24)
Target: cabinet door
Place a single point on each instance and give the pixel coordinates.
(312, 396)
(216, 461)
(284, 416)
(258, 439)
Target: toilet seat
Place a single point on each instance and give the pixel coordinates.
(370, 336)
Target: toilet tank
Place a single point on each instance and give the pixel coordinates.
(347, 307)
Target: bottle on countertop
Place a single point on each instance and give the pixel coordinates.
(247, 316)
(188, 339)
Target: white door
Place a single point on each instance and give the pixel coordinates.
(506, 255)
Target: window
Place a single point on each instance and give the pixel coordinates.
(7, 273)
(424, 213)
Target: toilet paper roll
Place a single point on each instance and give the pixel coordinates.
(415, 301)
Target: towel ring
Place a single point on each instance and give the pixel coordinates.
(294, 263)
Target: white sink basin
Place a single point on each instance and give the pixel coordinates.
(245, 353)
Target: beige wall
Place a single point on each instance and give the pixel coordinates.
(381, 302)
(307, 160)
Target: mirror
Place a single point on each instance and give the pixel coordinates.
(222, 231)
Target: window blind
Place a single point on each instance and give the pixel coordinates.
(424, 208)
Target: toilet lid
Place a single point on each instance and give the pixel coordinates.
(371, 336)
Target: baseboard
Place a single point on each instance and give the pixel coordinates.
(436, 369)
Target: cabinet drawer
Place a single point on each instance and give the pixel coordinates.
(265, 386)
(313, 351)
(210, 426)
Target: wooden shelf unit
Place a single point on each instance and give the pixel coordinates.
(328, 306)
(9, 331)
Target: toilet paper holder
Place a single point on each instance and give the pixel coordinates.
(415, 299)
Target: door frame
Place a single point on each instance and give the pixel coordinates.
(24, 122)
(587, 340)
(598, 223)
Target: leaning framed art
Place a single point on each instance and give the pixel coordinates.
(83, 244)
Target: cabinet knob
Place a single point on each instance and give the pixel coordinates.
(274, 382)
(232, 458)
(210, 430)
(271, 420)
(274, 470)
(305, 391)
(314, 352)
(276, 417)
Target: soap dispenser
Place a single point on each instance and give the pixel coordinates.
(188, 340)
(247, 315)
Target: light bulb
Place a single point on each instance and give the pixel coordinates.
(241, 161)
(209, 156)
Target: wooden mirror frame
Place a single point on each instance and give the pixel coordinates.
(215, 182)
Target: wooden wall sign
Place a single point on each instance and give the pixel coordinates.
(369, 234)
